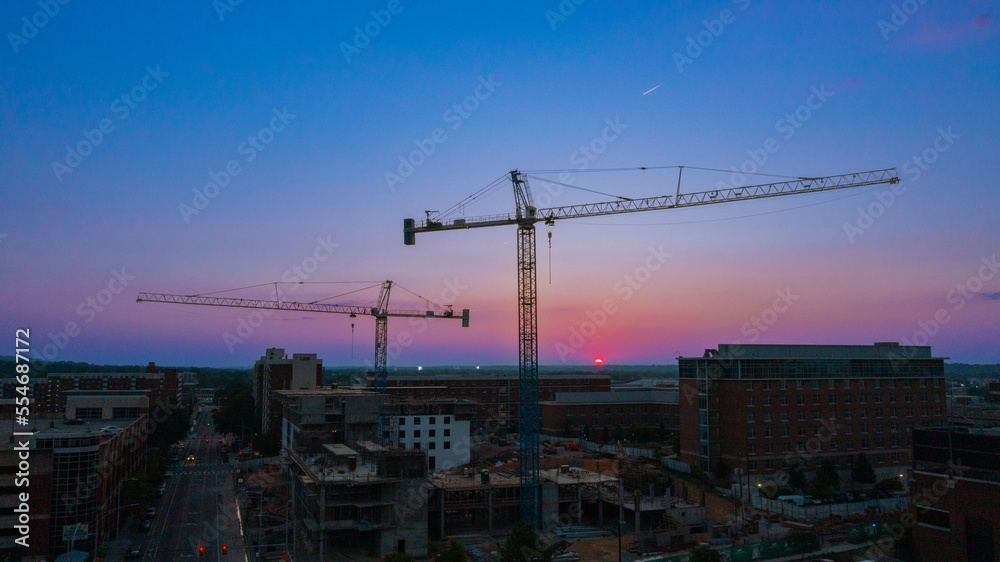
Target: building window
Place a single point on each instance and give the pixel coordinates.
(847, 414)
(766, 385)
(831, 385)
(801, 416)
(863, 398)
(908, 397)
(832, 398)
(798, 384)
(784, 431)
(749, 385)
(815, 398)
(416, 433)
(909, 412)
(784, 399)
(752, 449)
(749, 400)
(816, 415)
(767, 431)
(923, 395)
(751, 432)
(402, 434)
(786, 447)
(815, 384)
(431, 433)
(767, 416)
(416, 446)
(847, 399)
(784, 416)
(802, 447)
(767, 400)
(431, 445)
(416, 421)
(447, 420)
(800, 400)
(447, 445)
(750, 417)
(447, 433)
(850, 428)
(402, 421)
(751, 465)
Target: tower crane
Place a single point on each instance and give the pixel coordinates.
(525, 217)
(380, 311)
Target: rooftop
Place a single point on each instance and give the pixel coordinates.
(880, 350)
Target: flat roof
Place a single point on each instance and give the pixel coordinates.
(879, 350)
(646, 396)
(340, 449)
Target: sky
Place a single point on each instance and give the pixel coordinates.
(198, 147)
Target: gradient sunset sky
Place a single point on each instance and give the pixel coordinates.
(348, 90)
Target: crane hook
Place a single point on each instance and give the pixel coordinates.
(550, 254)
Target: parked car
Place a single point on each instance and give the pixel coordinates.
(134, 553)
(145, 526)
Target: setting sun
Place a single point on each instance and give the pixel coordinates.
(598, 360)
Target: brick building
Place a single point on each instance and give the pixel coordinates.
(955, 492)
(275, 371)
(496, 393)
(764, 407)
(571, 414)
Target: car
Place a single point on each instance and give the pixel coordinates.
(145, 526)
(168, 474)
(73, 421)
(174, 458)
(190, 458)
(134, 553)
(151, 513)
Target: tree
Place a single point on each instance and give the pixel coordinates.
(722, 471)
(704, 554)
(796, 477)
(826, 480)
(863, 473)
(802, 541)
(453, 553)
(889, 485)
(522, 546)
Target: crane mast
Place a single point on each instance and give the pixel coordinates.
(525, 217)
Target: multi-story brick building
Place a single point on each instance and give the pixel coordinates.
(48, 393)
(275, 371)
(574, 414)
(496, 393)
(764, 407)
(955, 492)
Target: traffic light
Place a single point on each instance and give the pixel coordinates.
(220, 440)
(201, 552)
(224, 548)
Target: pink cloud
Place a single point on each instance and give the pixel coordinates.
(930, 36)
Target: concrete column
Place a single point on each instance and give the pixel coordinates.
(579, 504)
(490, 510)
(443, 533)
(600, 504)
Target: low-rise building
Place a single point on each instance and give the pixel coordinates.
(587, 414)
(955, 491)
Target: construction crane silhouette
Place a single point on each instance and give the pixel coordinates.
(525, 217)
(380, 311)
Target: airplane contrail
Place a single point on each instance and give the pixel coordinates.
(651, 89)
